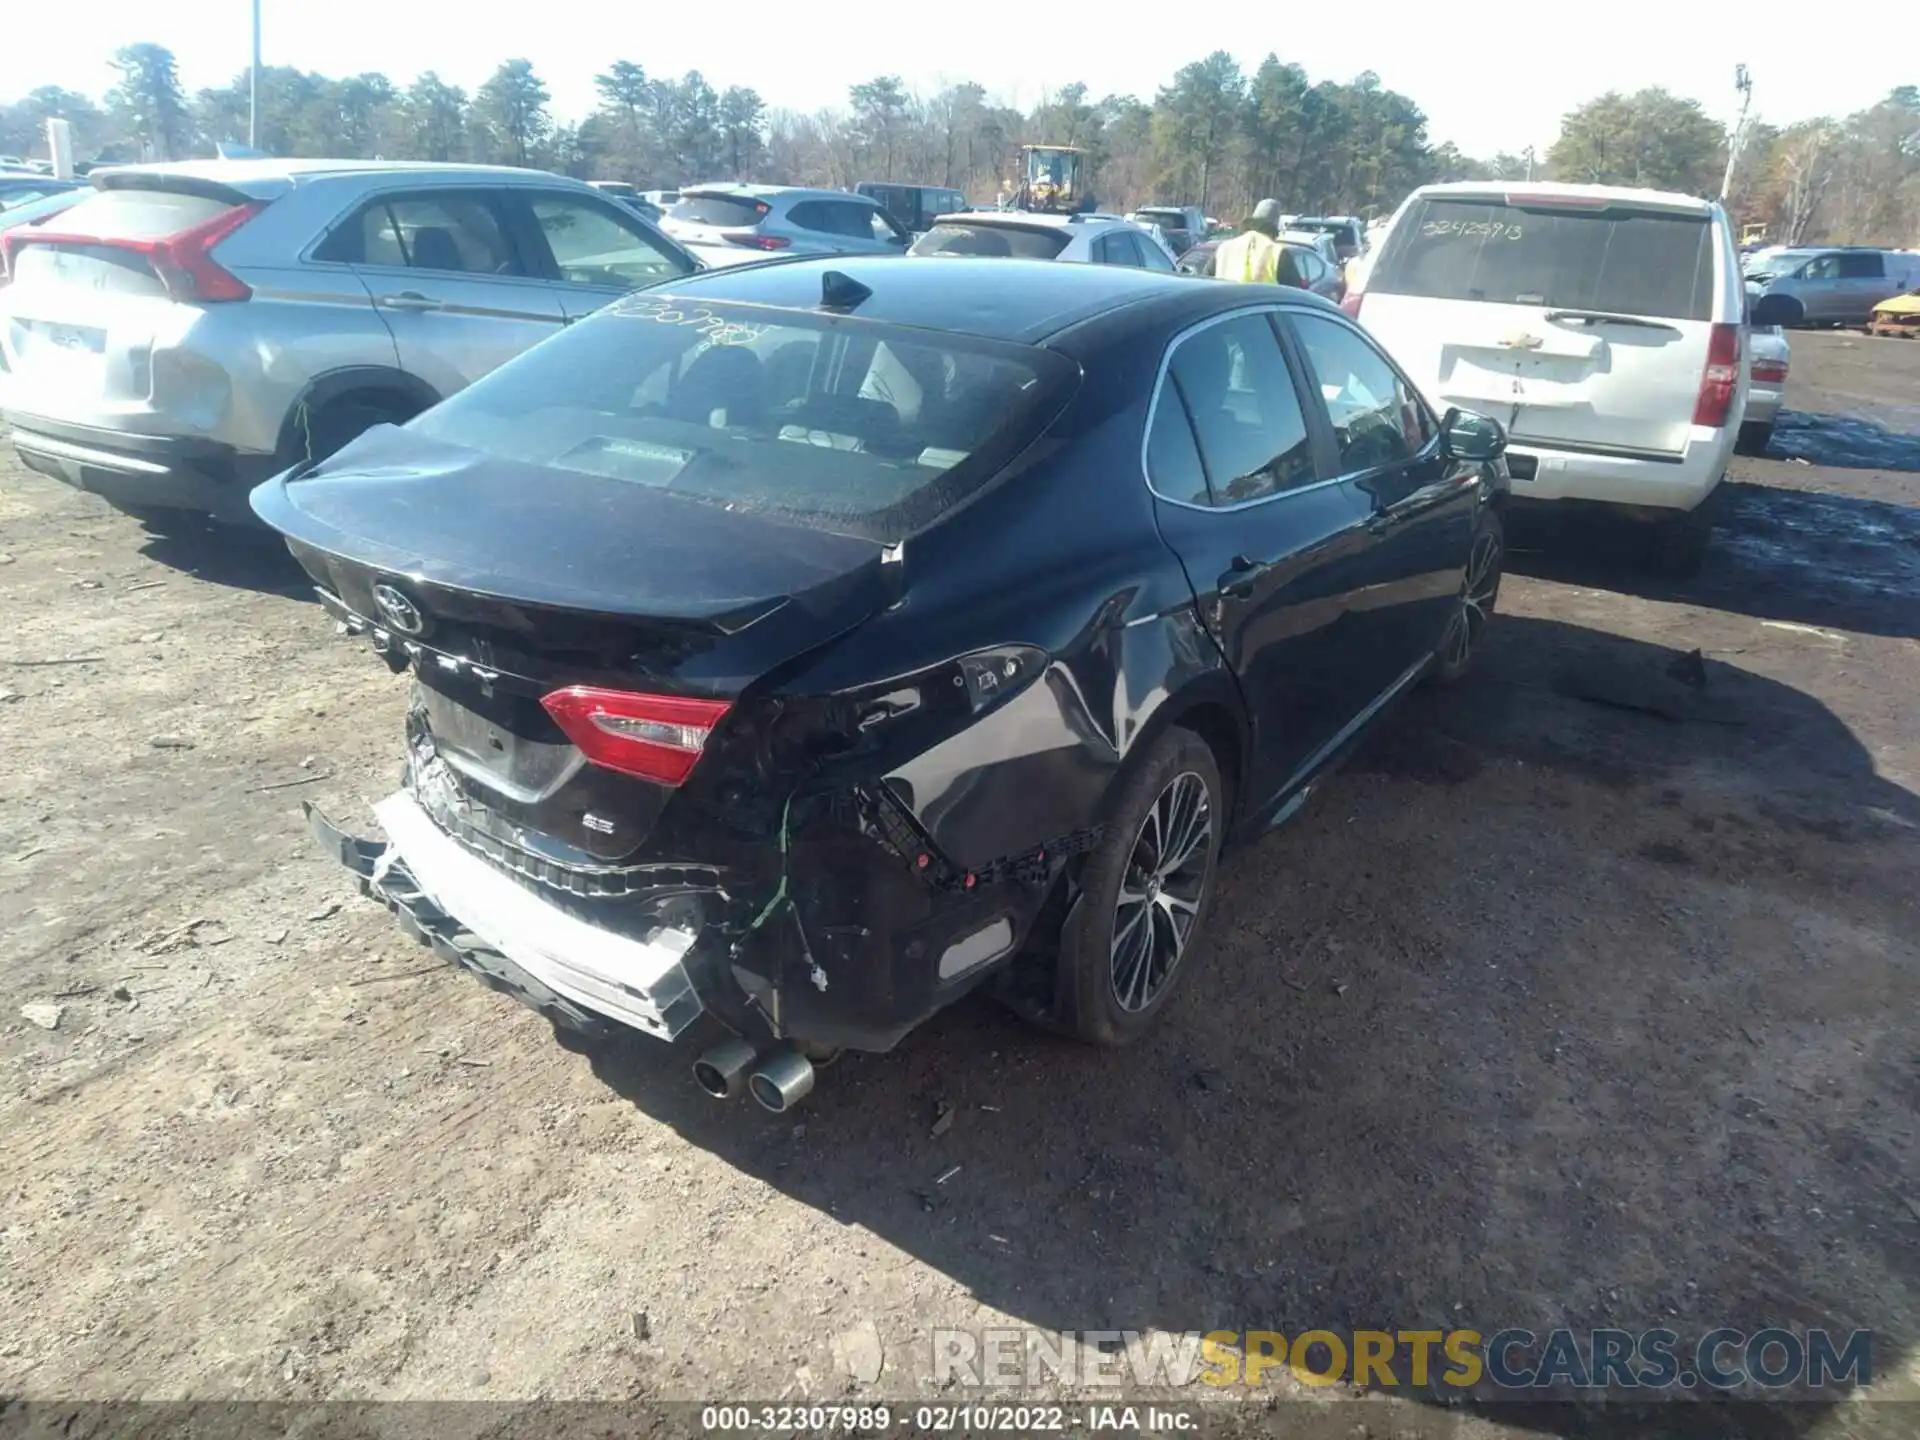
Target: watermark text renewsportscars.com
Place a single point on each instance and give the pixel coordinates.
(1726, 1359)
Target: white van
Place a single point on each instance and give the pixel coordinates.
(1604, 327)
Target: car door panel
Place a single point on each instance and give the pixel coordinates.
(450, 286)
(1420, 505)
(1274, 554)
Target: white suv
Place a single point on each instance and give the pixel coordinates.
(1604, 327)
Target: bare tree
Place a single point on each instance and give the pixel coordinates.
(1805, 155)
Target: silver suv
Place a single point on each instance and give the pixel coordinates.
(1832, 285)
(190, 329)
(726, 224)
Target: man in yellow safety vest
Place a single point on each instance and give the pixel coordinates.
(1253, 256)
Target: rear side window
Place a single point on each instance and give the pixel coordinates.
(855, 427)
(957, 238)
(1173, 461)
(1861, 266)
(733, 210)
(1628, 262)
(1376, 419)
(1116, 248)
(1246, 415)
(454, 234)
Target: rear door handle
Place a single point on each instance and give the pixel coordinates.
(410, 300)
(1242, 576)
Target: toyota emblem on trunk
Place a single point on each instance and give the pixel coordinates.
(398, 610)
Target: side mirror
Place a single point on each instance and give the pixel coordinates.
(1474, 438)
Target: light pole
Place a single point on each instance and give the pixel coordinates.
(253, 85)
(1743, 82)
(1529, 153)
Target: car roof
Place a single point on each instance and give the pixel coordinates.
(1032, 219)
(1553, 190)
(998, 299)
(766, 192)
(266, 179)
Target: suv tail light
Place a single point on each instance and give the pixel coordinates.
(1721, 377)
(657, 737)
(183, 261)
(1773, 372)
(754, 240)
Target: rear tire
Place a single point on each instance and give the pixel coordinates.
(1145, 894)
(1755, 436)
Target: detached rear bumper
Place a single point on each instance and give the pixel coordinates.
(879, 949)
(513, 938)
(143, 471)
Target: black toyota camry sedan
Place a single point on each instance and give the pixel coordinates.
(807, 644)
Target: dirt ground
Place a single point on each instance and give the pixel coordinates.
(1585, 996)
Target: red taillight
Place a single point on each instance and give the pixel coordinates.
(183, 262)
(1771, 372)
(754, 240)
(657, 737)
(1721, 378)
(1350, 302)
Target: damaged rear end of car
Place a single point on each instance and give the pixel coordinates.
(613, 570)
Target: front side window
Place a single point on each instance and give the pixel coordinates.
(1246, 415)
(1823, 267)
(1155, 257)
(591, 247)
(1376, 417)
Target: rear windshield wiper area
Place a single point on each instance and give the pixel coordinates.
(1602, 317)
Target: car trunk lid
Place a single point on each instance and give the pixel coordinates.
(507, 584)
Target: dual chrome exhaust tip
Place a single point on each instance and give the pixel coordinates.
(779, 1082)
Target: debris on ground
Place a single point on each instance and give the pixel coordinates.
(176, 938)
(1690, 668)
(642, 1327)
(1620, 686)
(325, 912)
(859, 1352)
(43, 1013)
(170, 742)
(942, 1119)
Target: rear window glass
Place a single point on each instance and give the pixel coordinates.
(845, 425)
(1628, 262)
(1021, 243)
(139, 214)
(716, 210)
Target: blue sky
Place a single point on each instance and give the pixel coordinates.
(1491, 75)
